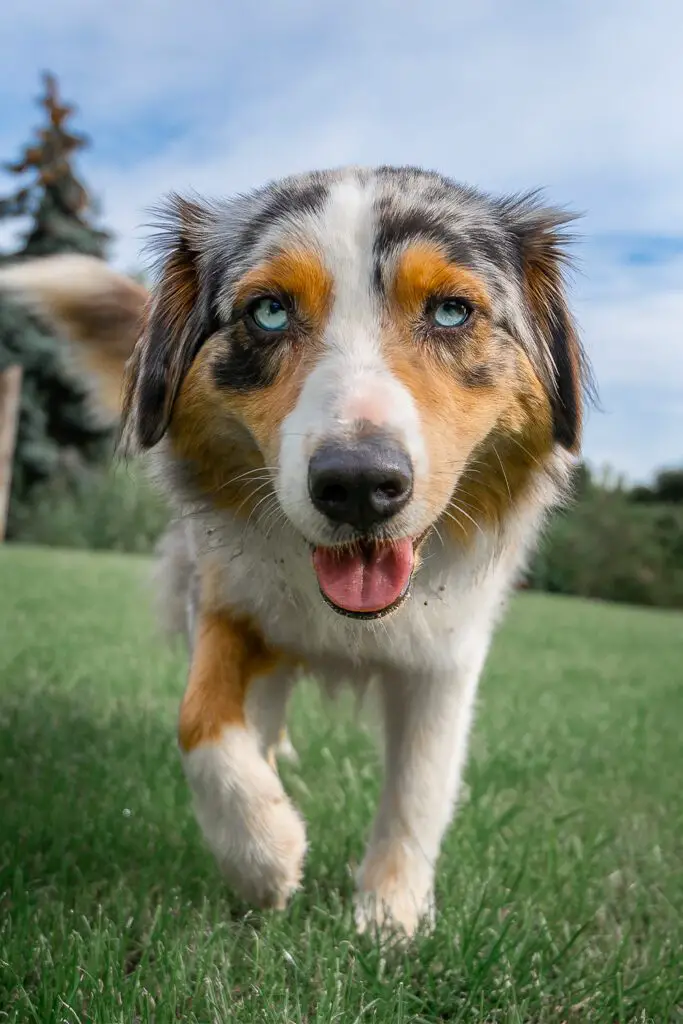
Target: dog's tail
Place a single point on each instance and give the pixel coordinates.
(97, 308)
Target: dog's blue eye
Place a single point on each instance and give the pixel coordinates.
(451, 313)
(269, 314)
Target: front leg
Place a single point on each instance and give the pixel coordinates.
(427, 724)
(230, 718)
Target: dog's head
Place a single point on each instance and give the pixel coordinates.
(369, 355)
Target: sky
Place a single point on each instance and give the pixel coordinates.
(581, 98)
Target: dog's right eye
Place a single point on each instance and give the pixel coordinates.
(269, 314)
(451, 313)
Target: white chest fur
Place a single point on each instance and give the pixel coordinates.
(445, 624)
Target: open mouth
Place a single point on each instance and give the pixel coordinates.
(368, 579)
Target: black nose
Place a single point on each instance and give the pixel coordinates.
(361, 483)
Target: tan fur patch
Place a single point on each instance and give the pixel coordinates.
(226, 437)
(229, 436)
(423, 271)
(424, 274)
(491, 435)
(295, 273)
(264, 410)
(163, 320)
(229, 654)
(178, 291)
(500, 469)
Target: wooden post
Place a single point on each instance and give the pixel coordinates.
(10, 392)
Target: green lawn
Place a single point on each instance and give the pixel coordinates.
(560, 889)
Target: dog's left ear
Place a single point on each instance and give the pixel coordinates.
(544, 257)
(179, 321)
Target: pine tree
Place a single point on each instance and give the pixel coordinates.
(60, 432)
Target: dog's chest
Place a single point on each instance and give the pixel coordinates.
(446, 620)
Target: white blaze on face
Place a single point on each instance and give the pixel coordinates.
(352, 381)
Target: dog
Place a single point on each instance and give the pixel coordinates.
(362, 391)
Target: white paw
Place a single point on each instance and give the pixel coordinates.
(264, 855)
(249, 823)
(396, 913)
(395, 892)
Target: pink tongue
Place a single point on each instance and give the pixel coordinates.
(365, 581)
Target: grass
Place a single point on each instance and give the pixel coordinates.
(560, 889)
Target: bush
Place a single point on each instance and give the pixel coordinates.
(608, 547)
(115, 509)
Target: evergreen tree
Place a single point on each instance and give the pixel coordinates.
(60, 432)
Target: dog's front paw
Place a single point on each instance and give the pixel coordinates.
(261, 852)
(395, 913)
(255, 834)
(395, 892)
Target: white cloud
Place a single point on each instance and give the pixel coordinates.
(632, 325)
(636, 329)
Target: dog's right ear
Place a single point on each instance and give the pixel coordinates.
(180, 318)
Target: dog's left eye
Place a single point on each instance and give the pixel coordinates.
(451, 313)
(269, 314)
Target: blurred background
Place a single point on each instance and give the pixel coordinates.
(581, 99)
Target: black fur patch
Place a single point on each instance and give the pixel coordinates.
(481, 376)
(169, 352)
(396, 226)
(282, 201)
(565, 398)
(464, 245)
(151, 391)
(247, 364)
(540, 248)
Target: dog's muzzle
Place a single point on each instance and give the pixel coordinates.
(362, 484)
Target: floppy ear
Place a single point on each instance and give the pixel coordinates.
(544, 258)
(179, 321)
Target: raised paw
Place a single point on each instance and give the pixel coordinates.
(248, 822)
(264, 855)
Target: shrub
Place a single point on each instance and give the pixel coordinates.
(114, 509)
(608, 547)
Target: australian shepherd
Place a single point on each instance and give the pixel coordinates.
(362, 391)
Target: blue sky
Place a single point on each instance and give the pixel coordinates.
(581, 98)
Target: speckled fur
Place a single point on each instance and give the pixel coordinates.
(202, 407)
